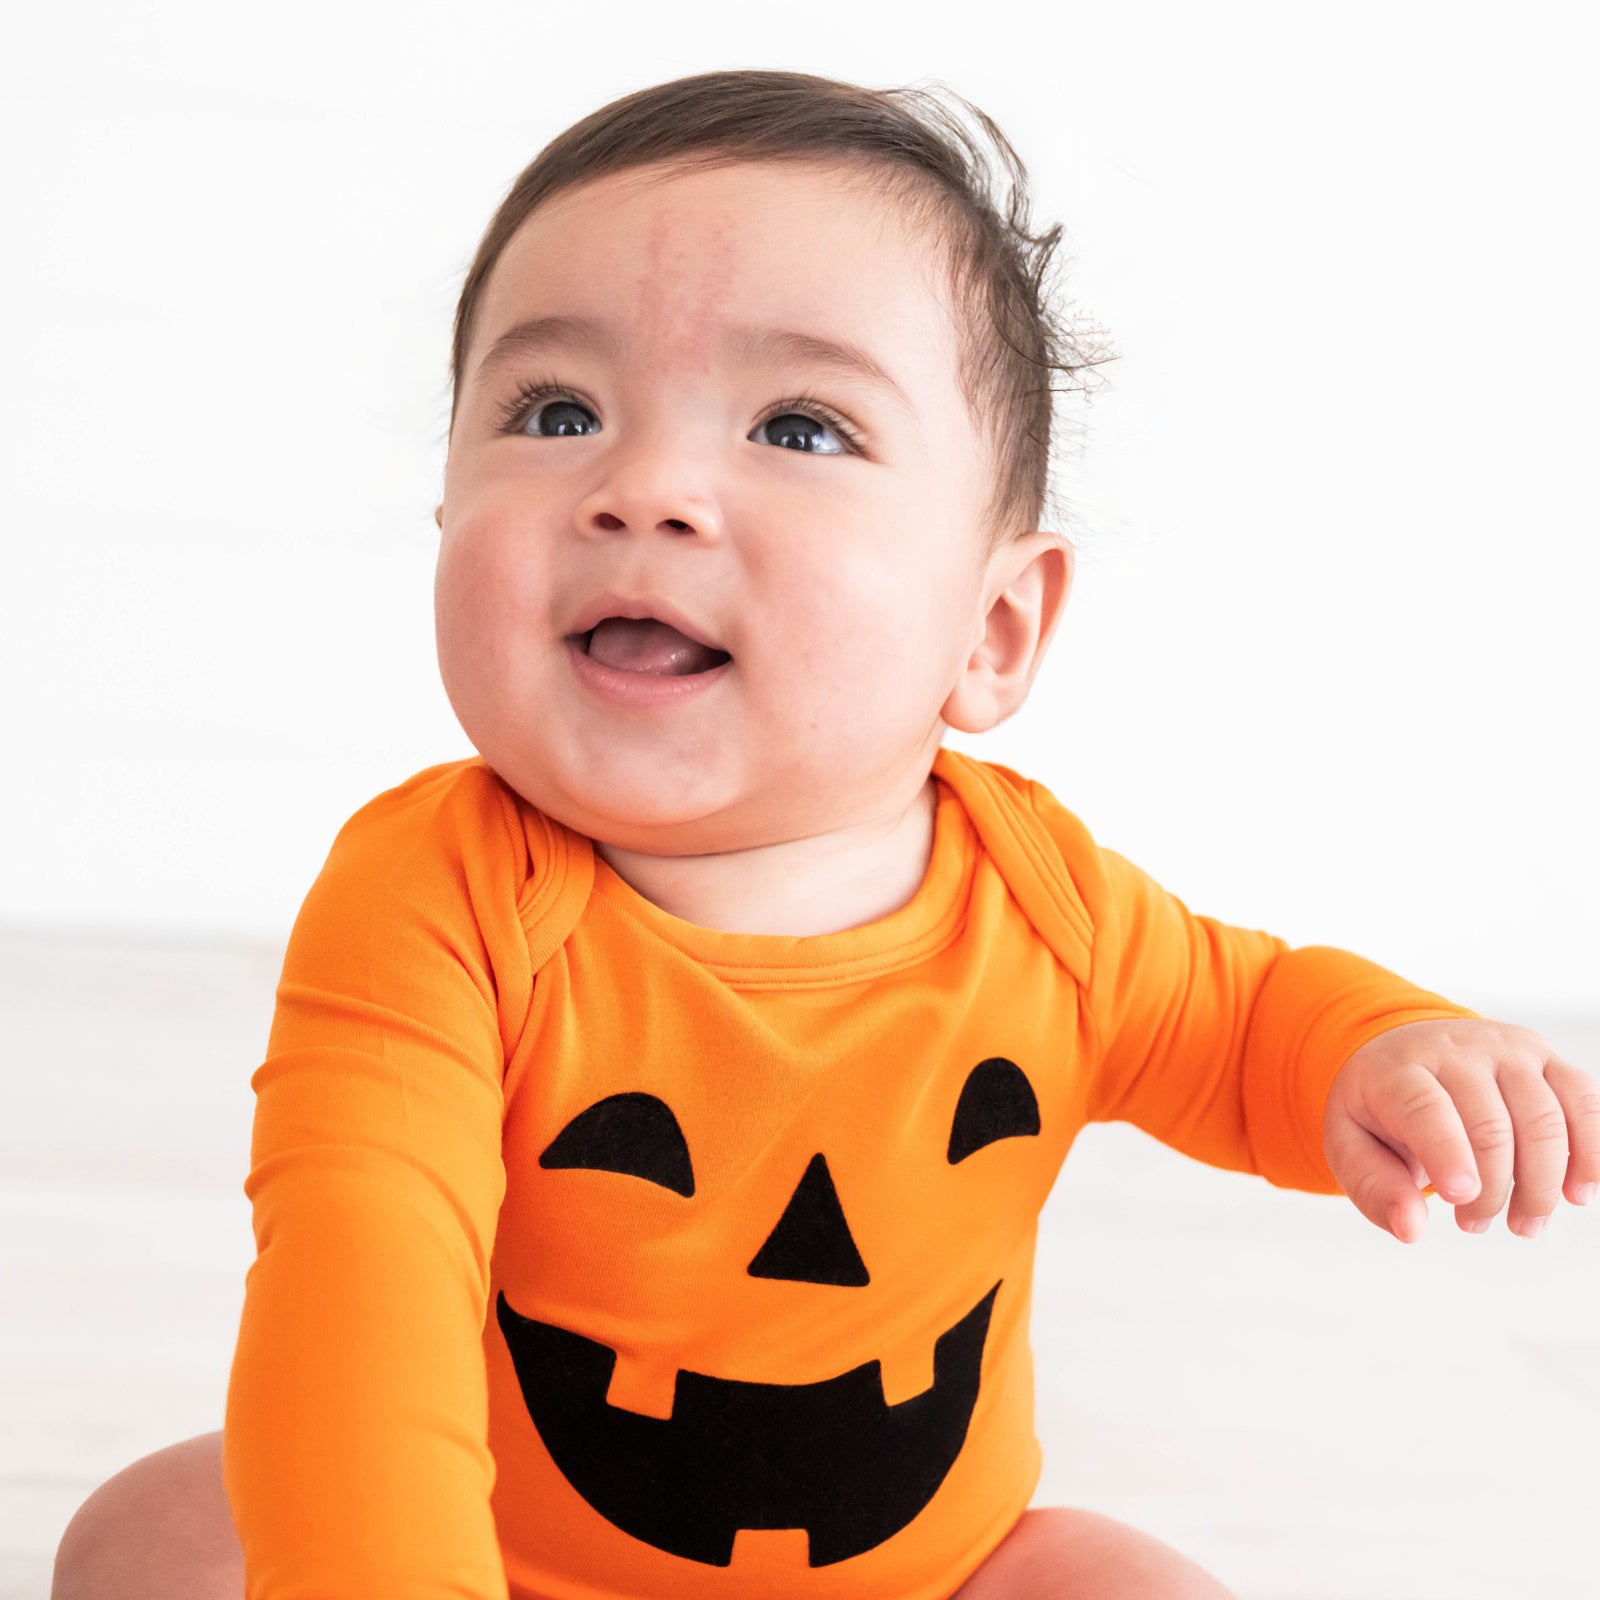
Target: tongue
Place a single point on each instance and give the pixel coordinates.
(644, 644)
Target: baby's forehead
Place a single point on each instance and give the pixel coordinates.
(722, 311)
(736, 240)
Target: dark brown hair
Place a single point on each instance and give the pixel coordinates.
(1009, 337)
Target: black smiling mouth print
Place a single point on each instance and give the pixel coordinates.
(829, 1457)
(832, 1457)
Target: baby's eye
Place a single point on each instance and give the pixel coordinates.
(806, 422)
(524, 410)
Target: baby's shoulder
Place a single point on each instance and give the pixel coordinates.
(454, 823)
(456, 841)
(999, 798)
(1043, 851)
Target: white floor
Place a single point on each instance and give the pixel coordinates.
(1304, 1405)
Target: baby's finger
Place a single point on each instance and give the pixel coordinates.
(1540, 1137)
(1580, 1099)
(1379, 1182)
(1481, 1106)
(1420, 1114)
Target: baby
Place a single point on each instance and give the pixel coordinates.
(659, 1106)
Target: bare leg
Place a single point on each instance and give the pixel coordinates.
(1054, 1553)
(159, 1530)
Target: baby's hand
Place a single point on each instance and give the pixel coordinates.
(1457, 1100)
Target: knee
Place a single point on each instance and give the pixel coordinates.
(1056, 1551)
(1132, 1563)
(159, 1528)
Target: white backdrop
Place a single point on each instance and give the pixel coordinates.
(1331, 652)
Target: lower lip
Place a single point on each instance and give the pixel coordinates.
(639, 688)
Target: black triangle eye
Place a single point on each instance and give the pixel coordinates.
(997, 1102)
(633, 1133)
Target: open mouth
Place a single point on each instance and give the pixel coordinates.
(831, 1457)
(648, 645)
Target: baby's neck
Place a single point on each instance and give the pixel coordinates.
(822, 884)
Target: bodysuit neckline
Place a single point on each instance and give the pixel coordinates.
(926, 922)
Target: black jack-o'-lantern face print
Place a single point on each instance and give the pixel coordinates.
(832, 1457)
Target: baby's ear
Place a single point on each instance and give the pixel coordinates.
(1032, 575)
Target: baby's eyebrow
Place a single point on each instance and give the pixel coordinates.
(749, 346)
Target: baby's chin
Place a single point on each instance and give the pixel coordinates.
(653, 816)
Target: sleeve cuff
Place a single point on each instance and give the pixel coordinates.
(1296, 1050)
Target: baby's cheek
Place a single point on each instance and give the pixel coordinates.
(486, 580)
(478, 632)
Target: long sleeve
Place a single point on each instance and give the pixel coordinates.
(1222, 1041)
(355, 1443)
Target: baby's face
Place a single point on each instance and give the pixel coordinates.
(843, 577)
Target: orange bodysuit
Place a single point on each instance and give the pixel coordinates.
(600, 1254)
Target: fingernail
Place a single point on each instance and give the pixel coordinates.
(1458, 1187)
(1586, 1193)
(1480, 1226)
(1530, 1228)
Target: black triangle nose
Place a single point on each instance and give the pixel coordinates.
(811, 1242)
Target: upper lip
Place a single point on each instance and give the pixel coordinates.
(617, 605)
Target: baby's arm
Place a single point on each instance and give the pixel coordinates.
(1223, 1041)
(1315, 1067)
(355, 1444)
